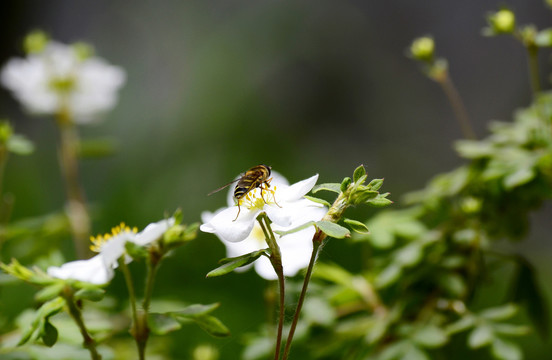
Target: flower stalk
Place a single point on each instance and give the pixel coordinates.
(76, 315)
(76, 205)
(276, 261)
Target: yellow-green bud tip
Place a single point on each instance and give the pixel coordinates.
(503, 21)
(83, 50)
(6, 131)
(423, 48)
(35, 42)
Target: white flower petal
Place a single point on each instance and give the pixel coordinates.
(153, 232)
(92, 270)
(227, 227)
(297, 190)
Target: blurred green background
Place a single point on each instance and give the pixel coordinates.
(215, 87)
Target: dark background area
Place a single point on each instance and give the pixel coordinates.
(215, 87)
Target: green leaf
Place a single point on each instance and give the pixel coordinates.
(49, 292)
(37, 327)
(511, 329)
(499, 313)
(50, 334)
(136, 251)
(92, 294)
(332, 229)
(212, 326)
(317, 200)
(409, 255)
(520, 177)
(229, 264)
(162, 324)
(464, 323)
(430, 336)
(20, 145)
(526, 290)
(357, 226)
(388, 276)
(196, 310)
(333, 187)
(481, 336)
(358, 173)
(453, 283)
(506, 350)
(380, 201)
(294, 230)
(375, 184)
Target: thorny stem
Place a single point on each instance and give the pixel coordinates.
(457, 105)
(76, 204)
(76, 314)
(276, 261)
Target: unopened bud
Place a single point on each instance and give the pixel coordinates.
(502, 22)
(423, 48)
(35, 42)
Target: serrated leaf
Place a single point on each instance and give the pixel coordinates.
(212, 326)
(230, 264)
(506, 350)
(317, 200)
(358, 173)
(50, 334)
(162, 324)
(332, 229)
(380, 201)
(357, 226)
(333, 187)
(481, 336)
(92, 294)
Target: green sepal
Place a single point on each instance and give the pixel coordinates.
(90, 293)
(34, 276)
(177, 235)
(50, 334)
(333, 187)
(359, 172)
(357, 226)
(332, 229)
(363, 195)
(380, 201)
(230, 264)
(296, 229)
(345, 184)
(49, 292)
(317, 200)
(136, 251)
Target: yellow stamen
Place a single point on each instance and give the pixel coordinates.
(99, 240)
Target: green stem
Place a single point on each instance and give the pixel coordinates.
(457, 105)
(76, 314)
(131, 293)
(76, 206)
(316, 245)
(276, 261)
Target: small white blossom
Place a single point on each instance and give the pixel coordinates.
(286, 207)
(110, 247)
(59, 79)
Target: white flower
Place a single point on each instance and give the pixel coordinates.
(59, 79)
(286, 207)
(110, 247)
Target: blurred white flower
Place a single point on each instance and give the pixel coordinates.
(61, 79)
(286, 207)
(110, 247)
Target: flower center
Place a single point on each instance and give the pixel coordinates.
(257, 198)
(100, 240)
(63, 85)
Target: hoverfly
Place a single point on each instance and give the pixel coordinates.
(253, 178)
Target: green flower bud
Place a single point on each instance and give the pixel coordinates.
(35, 42)
(205, 352)
(423, 48)
(83, 50)
(502, 22)
(6, 131)
(471, 205)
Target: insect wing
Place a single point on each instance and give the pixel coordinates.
(223, 187)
